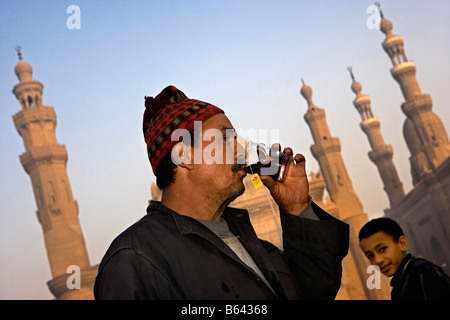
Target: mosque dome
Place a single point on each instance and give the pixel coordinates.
(386, 26)
(356, 87)
(23, 67)
(306, 91)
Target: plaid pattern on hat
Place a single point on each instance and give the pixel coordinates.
(168, 111)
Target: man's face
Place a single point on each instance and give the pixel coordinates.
(218, 173)
(382, 251)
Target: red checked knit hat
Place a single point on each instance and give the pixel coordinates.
(170, 110)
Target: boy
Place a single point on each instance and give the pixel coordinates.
(384, 244)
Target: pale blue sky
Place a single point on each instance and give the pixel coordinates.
(247, 57)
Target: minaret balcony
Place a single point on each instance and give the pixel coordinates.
(417, 105)
(370, 124)
(319, 150)
(28, 86)
(402, 70)
(392, 41)
(361, 100)
(37, 156)
(24, 118)
(381, 153)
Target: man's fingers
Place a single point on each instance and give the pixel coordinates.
(299, 158)
(275, 148)
(268, 182)
(288, 151)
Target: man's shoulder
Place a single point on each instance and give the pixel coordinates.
(421, 266)
(418, 263)
(124, 241)
(125, 238)
(138, 236)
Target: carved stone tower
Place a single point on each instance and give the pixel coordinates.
(45, 161)
(424, 132)
(424, 212)
(327, 151)
(381, 153)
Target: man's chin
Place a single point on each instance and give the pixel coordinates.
(239, 191)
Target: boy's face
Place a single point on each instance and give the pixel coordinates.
(382, 251)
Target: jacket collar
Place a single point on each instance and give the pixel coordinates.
(238, 221)
(398, 275)
(187, 224)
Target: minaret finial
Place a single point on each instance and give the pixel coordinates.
(379, 9)
(351, 72)
(306, 92)
(356, 86)
(19, 52)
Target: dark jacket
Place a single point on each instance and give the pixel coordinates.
(166, 255)
(419, 279)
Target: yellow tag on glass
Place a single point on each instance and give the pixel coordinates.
(256, 180)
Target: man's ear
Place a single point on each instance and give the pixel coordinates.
(186, 165)
(181, 156)
(403, 243)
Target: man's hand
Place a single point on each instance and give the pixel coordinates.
(292, 195)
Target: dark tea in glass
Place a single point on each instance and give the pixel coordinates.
(266, 161)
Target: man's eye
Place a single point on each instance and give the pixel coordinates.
(382, 249)
(370, 256)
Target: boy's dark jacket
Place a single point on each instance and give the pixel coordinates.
(419, 279)
(166, 255)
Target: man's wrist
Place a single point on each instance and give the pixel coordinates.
(298, 209)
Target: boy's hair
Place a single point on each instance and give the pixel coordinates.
(386, 225)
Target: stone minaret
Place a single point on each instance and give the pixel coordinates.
(45, 161)
(423, 130)
(381, 153)
(327, 150)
